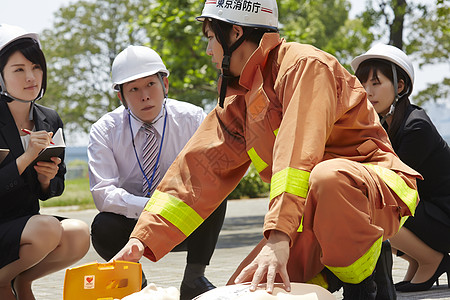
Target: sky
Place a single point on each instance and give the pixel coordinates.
(36, 15)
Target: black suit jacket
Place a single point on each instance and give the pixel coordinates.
(420, 146)
(20, 194)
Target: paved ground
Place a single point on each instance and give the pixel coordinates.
(241, 231)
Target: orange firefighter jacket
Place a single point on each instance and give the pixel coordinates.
(294, 106)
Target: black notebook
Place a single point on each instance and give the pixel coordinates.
(52, 150)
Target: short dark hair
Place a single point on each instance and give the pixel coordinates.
(31, 50)
(218, 26)
(385, 68)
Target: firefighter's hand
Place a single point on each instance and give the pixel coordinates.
(272, 259)
(132, 251)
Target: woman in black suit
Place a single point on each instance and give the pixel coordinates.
(387, 74)
(31, 245)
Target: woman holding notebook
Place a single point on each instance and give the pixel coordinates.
(31, 245)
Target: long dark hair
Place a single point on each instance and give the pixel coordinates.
(31, 50)
(385, 68)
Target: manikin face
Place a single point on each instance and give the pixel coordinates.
(380, 92)
(23, 79)
(145, 96)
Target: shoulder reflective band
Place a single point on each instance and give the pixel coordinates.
(290, 180)
(319, 280)
(300, 228)
(175, 211)
(257, 161)
(361, 268)
(402, 221)
(396, 183)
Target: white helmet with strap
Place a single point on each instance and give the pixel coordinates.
(389, 53)
(11, 33)
(136, 62)
(396, 57)
(8, 35)
(253, 14)
(261, 13)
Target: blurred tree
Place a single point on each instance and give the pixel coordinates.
(430, 39)
(326, 25)
(87, 35)
(175, 33)
(177, 36)
(80, 48)
(422, 31)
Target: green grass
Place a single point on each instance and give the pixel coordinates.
(76, 193)
(77, 190)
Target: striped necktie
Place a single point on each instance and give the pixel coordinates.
(149, 156)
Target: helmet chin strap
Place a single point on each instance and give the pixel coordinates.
(162, 84)
(9, 98)
(394, 103)
(227, 51)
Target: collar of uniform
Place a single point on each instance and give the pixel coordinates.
(268, 42)
(159, 124)
(136, 124)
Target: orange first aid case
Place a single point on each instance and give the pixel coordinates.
(102, 281)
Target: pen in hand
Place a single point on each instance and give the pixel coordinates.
(29, 132)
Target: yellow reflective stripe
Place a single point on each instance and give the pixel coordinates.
(257, 161)
(300, 228)
(362, 268)
(276, 131)
(402, 221)
(319, 280)
(175, 211)
(290, 180)
(396, 183)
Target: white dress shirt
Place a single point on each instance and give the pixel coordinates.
(114, 174)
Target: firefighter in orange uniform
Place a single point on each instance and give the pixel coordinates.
(337, 188)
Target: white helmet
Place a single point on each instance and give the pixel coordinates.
(389, 53)
(8, 35)
(136, 62)
(262, 13)
(11, 33)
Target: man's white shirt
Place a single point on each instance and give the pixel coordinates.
(114, 174)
